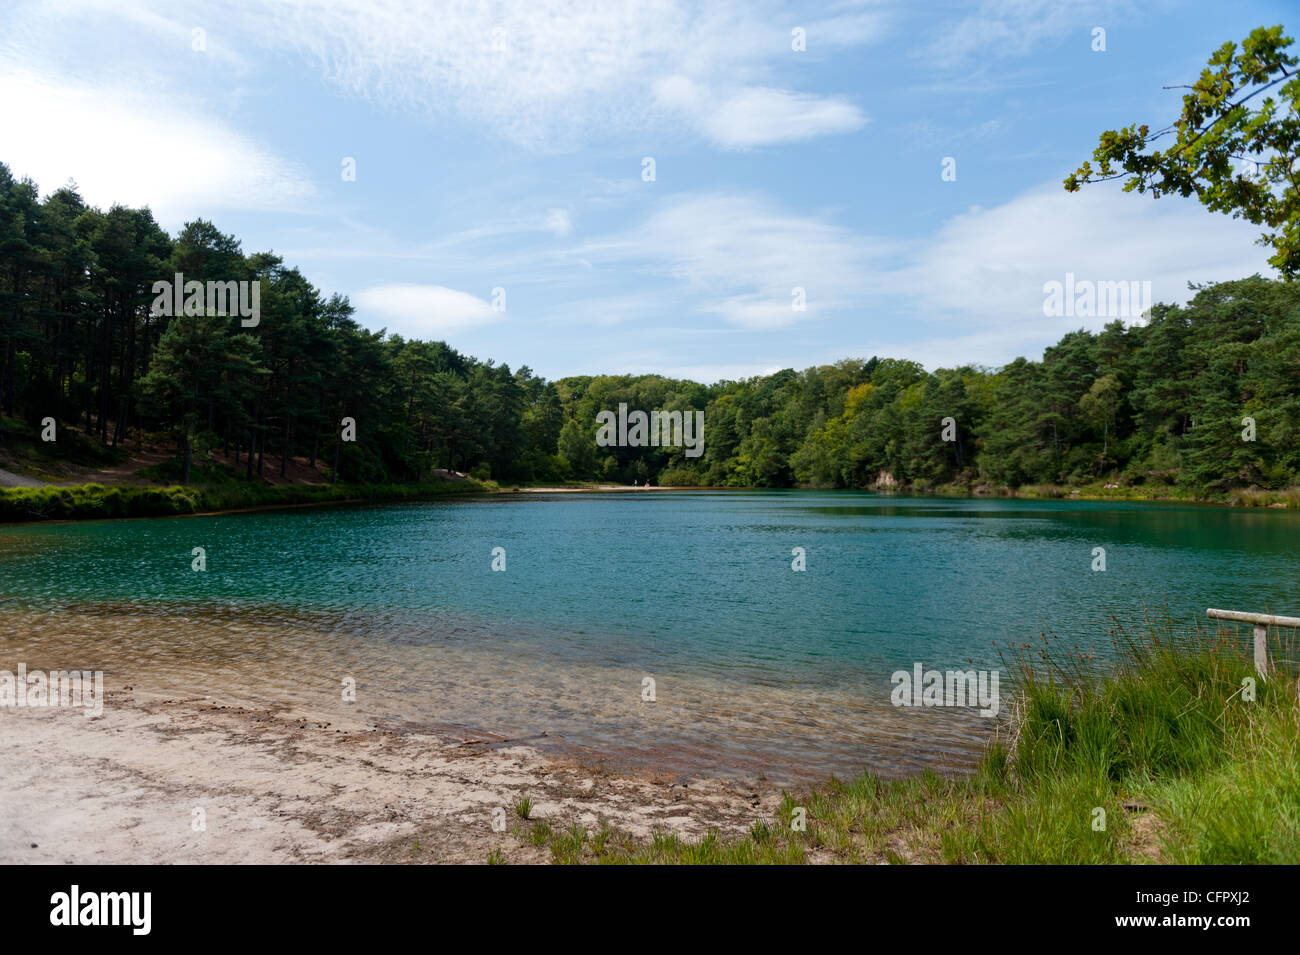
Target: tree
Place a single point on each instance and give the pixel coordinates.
(198, 364)
(1206, 394)
(1222, 121)
(1098, 406)
(578, 446)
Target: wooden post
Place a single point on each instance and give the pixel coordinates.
(1261, 650)
(1262, 622)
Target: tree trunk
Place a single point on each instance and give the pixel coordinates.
(106, 378)
(121, 421)
(7, 395)
(284, 449)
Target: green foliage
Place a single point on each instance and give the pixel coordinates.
(1159, 405)
(89, 501)
(679, 477)
(79, 343)
(1222, 121)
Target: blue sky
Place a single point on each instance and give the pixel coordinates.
(501, 146)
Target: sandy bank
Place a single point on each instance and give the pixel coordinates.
(282, 785)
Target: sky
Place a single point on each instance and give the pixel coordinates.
(607, 187)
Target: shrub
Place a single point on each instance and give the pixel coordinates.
(680, 477)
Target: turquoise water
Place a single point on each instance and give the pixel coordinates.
(697, 587)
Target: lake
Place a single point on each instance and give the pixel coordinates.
(758, 668)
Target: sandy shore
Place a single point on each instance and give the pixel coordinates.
(283, 785)
(237, 715)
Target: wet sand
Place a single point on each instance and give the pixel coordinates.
(243, 719)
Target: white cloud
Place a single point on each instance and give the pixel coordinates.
(417, 311)
(992, 263)
(970, 292)
(756, 116)
(975, 288)
(741, 257)
(559, 221)
(180, 163)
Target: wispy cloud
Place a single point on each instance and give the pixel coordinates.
(743, 257)
(551, 76)
(559, 222)
(756, 116)
(997, 29)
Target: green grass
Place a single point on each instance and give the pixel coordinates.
(1257, 497)
(541, 834)
(1184, 766)
(90, 501)
(1097, 491)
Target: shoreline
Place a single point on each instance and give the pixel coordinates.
(251, 730)
(706, 725)
(89, 502)
(277, 783)
(249, 735)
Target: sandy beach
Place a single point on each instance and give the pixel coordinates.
(225, 737)
(280, 784)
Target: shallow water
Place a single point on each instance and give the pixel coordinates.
(757, 667)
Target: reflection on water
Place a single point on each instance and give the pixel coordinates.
(696, 725)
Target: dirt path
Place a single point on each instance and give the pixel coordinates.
(273, 785)
(297, 470)
(9, 479)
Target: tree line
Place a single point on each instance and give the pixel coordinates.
(1205, 395)
(82, 344)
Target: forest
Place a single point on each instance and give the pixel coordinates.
(1204, 396)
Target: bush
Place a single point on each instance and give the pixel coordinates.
(90, 501)
(679, 477)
